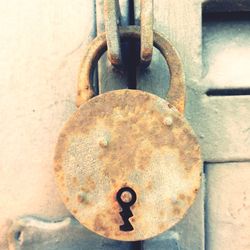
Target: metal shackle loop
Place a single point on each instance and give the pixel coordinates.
(176, 93)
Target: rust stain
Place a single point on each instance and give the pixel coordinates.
(116, 219)
(182, 196)
(189, 199)
(61, 145)
(111, 17)
(126, 149)
(57, 167)
(176, 210)
(147, 16)
(81, 198)
(91, 184)
(162, 212)
(170, 105)
(162, 226)
(195, 190)
(75, 181)
(149, 185)
(100, 225)
(74, 211)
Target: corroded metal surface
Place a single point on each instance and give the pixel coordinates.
(176, 93)
(111, 17)
(128, 138)
(147, 18)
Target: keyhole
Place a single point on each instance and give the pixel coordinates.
(126, 197)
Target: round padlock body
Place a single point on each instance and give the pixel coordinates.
(128, 165)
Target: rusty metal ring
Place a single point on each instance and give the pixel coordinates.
(176, 92)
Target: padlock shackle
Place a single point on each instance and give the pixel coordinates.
(176, 92)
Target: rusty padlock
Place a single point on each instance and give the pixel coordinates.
(127, 163)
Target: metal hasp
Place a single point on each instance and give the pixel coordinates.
(112, 16)
(147, 19)
(128, 138)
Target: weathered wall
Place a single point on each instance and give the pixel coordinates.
(42, 44)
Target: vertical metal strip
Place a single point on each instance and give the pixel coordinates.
(147, 18)
(111, 18)
(111, 78)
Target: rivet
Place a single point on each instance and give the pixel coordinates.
(168, 121)
(81, 197)
(103, 142)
